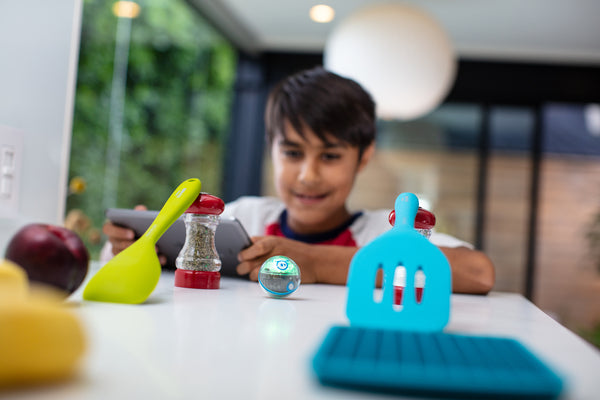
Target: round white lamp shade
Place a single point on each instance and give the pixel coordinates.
(398, 53)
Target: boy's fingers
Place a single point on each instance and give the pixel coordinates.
(259, 247)
(252, 257)
(254, 274)
(117, 232)
(120, 238)
(117, 247)
(162, 259)
(249, 268)
(244, 268)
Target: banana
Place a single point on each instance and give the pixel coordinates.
(13, 282)
(41, 340)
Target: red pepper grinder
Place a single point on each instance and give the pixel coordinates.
(424, 223)
(198, 263)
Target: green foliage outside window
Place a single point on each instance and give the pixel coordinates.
(180, 78)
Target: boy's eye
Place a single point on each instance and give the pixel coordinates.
(330, 156)
(292, 153)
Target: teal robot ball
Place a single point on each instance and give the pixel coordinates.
(279, 276)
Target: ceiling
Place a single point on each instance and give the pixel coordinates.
(556, 31)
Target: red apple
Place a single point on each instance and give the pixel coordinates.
(50, 254)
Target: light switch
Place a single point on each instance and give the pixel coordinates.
(7, 171)
(11, 154)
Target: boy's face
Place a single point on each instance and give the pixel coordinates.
(314, 178)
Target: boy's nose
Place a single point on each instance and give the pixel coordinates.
(309, 172)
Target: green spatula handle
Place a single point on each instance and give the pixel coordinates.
(176, 204)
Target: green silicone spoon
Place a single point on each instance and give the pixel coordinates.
(131, 276)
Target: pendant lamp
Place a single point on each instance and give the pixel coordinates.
(399, 53)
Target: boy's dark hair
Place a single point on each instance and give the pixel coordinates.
(324, 102)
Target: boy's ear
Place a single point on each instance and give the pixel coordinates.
(366, 156)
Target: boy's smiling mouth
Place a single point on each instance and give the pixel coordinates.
(309, 198)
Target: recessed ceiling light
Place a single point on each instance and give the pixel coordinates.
(321, 13)
(126, 9)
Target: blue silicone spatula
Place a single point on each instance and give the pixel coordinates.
(400, 246)
(131, 276)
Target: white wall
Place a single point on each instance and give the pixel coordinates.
(39, 46)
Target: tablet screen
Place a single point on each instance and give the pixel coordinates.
(230, 236)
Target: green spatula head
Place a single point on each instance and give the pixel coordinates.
(131, 276)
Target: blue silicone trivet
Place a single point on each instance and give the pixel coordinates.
(433, 364)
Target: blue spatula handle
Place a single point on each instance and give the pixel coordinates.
(406, 207)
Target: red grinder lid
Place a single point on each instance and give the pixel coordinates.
(207, 204)
(424, 219)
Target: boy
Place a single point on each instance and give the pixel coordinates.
(320, 129)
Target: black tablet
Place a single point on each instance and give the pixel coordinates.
(230, 236)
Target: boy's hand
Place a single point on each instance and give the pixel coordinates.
(264, 247)
(318, 262)
(120, 238)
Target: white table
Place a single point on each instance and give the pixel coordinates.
(237, 343)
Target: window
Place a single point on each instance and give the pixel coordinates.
(568, 256)
(144, 125)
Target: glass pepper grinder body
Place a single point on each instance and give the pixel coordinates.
(199, 252)
(198, 263)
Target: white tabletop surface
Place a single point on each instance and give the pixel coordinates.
(238, 343)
